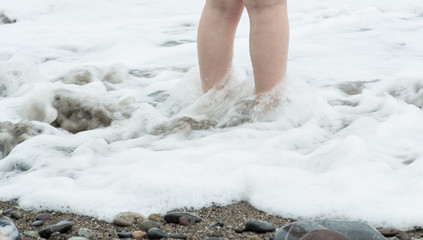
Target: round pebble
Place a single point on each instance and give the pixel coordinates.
(16, 214)
(42, 216)
(124, 234)
(258, 226)
(37, 223)
(155, 217)
(139, 234)
(155, 233)
(125, 219)
(148, 224)
(216, 224)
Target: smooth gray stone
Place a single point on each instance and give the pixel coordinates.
(61, 227)
(173, 217)
(258, 226)
(16, 214)
(42, 216)
(354, 230)
(124, 234)
(148, 224)
(37, 223)
(155, 233)
(217, 224)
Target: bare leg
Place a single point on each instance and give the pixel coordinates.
(269, 39)
(216, 33)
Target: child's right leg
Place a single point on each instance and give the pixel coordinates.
(215, 40)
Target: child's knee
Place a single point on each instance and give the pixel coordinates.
(259, 4)
(229, 6)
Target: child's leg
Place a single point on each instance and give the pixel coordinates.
(269, 38)
(216, 35)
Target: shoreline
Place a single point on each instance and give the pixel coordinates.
(233, 216)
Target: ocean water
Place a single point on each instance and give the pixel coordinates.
(345, 140)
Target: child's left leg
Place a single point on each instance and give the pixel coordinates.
(216, 33)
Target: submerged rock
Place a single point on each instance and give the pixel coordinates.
(173, 217)
(353, 230)
(78, 113)
(5, 19)
(183, 125)
(114, 74)
(12, 134)
(8, 230)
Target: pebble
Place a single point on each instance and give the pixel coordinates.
(32, 234)
(8, 229)
(212, 238)
(126, 219)
(61, 227)
(178, 236)
(239, 230)
(16, 214)
(173, 217)
(155, 217)
(7, 211)
(85, 232)
(139, 234)
(155, 233)
(124, 234)
(388, 232)
(77, 238)
(186, 220)
(37, 223)
(42, 216)
(402, 236)
(258, 226)
(148, 224)
(216, 234)
(353, 230)
(253, 238)
(216, 224)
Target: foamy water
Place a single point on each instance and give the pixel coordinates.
(344, 142)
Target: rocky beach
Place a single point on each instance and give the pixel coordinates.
(234, 221)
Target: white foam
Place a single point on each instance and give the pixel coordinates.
(343, 142)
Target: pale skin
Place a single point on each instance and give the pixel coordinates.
(269, 38)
